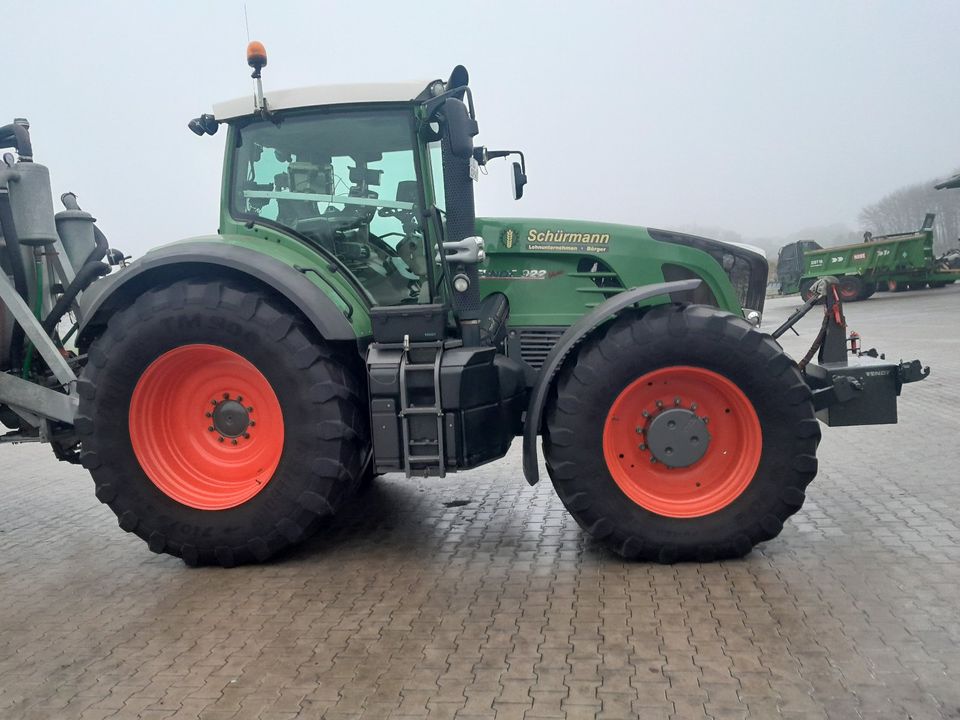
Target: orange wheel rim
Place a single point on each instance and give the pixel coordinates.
(206, 427)
(717, 450)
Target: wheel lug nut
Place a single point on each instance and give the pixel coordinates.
(246, 436)
(233, 442)
(226, 396)
(240, 398)
(208, 414)
(643, 446)
(659, 405)
(252, 423)
(250, 409)
(653, 460)
(213, 402)
(676, 402)
(645, 414)
(693, 407)
(639, 430)
(706, 420)
(220, 439)
(211, 428)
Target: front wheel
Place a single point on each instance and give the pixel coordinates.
(681, 434)
(216, 426)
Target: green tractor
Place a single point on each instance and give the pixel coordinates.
(353, 317)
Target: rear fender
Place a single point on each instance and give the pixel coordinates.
(184, 260)
(574, 335)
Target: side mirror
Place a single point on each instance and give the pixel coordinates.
(519, 180)
(460, 128)
(206, 124)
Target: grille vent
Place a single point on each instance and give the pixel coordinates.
(536, 343)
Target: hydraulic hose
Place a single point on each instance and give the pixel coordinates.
(88, 273)
(100, 251)
(91, 269)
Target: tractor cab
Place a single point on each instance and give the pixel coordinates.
(377, 179)
(350, 181)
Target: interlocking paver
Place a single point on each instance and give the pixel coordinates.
(502, 608)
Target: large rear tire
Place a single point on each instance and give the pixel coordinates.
(216, 425)
(734, 477)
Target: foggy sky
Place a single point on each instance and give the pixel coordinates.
(759, 117)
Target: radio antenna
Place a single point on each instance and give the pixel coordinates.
(246, 21)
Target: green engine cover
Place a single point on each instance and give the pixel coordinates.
(554, 271)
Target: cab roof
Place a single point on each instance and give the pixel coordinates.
(319, 95)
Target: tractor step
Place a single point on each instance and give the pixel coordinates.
(435, 463)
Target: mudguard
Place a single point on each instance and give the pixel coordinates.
(331, 321)
(573, 336)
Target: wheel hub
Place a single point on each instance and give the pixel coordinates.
(677, 437)
(231, 419)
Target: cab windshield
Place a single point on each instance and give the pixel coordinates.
(348, 183)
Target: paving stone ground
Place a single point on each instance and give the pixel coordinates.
(412, 605)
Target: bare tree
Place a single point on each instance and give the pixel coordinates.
(903, 211)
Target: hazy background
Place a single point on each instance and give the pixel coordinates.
(752, 120)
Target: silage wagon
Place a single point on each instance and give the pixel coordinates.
(900, 261)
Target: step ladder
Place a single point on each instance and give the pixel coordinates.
(422, 455)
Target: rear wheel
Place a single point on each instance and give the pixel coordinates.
(896, 286)
(850, 288)
(937, 285)
(869, 289)
(681, 434)
(216, 426)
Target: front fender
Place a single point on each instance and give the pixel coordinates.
(158, 265)
(573, 336)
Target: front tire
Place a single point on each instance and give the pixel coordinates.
(216, 426)
(736, 476)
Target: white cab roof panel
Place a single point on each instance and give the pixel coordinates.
(322, 95)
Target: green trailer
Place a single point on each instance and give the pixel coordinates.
(900, 261)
